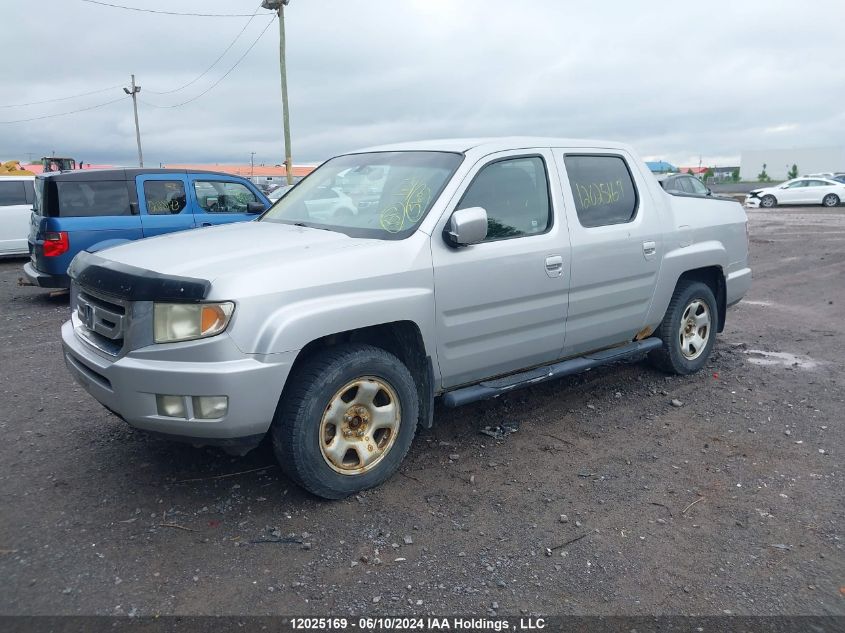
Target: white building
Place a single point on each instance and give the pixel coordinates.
(810, 160)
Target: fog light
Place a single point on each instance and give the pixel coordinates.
(210, 407)
(171, 406)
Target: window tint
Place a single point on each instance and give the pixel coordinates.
(93, 198)
(219, 196)
(165, 197)
(697, 186)
(603, 190)
(816, 183)
(12, 192)
(515, 194)
(796, 184)
(683, 185)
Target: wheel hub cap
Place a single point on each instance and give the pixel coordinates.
(695, 329)
(360, 425)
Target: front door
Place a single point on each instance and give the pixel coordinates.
(501, 304)
(163, 204)
(221, 200)
(617, 246)
(793, 193)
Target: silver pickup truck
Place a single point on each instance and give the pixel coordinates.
(458, 269)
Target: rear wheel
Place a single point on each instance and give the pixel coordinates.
(688, 330)
(768, 201)
(830, 200)
(346, 420)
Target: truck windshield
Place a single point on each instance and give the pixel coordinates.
(382, 195)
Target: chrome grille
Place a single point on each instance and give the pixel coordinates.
(103, 320)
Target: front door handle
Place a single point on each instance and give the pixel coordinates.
(649, 249)
(554, 265)
(206, 224)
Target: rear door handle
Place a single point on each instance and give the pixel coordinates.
(649, 249)
(554, 265)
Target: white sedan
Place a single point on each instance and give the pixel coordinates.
(823, 191)
(16, 198)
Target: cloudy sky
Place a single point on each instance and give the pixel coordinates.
(678, 80)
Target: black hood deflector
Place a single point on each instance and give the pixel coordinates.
(134, 284)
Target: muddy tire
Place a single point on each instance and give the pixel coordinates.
(346, 420)
(688, 330)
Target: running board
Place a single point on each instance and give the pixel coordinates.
(500, 386)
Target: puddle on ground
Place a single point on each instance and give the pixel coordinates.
(784, 359)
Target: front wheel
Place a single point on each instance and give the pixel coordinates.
(346, 420)
(688, 330)
(830, 200)
(768, 201)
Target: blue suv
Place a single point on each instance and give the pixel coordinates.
(90, 210)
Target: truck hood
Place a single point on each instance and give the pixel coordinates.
(230, 249)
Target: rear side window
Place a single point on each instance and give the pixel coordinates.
(165, 197)
(220, 196)
(91, 198)
(12, 192)
(603, 189)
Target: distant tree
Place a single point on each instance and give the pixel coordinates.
(708, 174)
(735, 175)
(792, 173)
(763, 176)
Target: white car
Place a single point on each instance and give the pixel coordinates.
(278, 192)
(805, 190)
(327, 203)
(16, 197)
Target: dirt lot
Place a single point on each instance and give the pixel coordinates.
(732, 502)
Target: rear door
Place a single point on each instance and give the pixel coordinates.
(617, 245)
(15, 207)
(222, 200)
(163, 203)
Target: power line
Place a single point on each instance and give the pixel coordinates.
(214, 63)
(197, 15)
(81, 94)
(226, 74)
(51, 116)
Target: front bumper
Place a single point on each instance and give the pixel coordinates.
(45, 280)
(128, 385)
(752, 202)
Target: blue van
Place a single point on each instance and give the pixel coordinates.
(91, 210)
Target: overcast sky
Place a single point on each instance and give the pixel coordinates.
(678, 80)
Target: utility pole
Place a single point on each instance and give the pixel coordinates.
(134, 90)
(251, 164)
(279, 7)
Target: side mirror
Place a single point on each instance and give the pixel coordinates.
(255, 207)
(709, 191)
(466, 226)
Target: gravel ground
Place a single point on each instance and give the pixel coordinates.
(610, 498)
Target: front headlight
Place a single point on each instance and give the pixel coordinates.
(187, 321)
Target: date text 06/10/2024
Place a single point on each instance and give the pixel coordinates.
(418, 624)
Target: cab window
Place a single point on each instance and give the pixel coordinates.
(165, 197)
(515, 194)
(220, 196)
(603, 189)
